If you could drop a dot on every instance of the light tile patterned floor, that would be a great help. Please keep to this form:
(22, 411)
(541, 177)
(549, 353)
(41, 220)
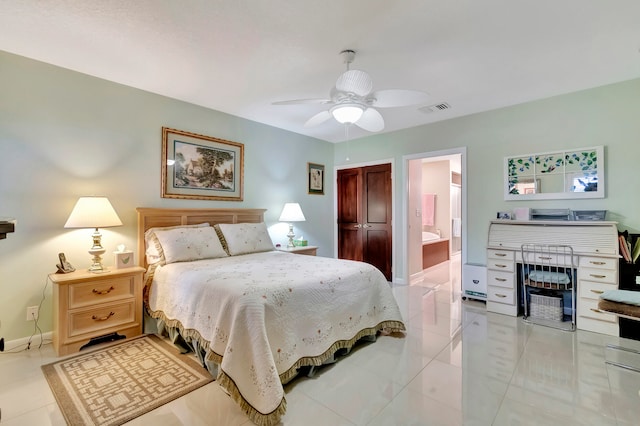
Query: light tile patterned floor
(457, 365)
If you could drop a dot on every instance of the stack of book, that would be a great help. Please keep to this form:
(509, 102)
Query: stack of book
(630, 254)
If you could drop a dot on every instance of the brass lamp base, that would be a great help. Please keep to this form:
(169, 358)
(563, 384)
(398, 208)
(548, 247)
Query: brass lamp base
(97, 251)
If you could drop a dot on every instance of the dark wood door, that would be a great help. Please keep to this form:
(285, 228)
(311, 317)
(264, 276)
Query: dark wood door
(364, 216)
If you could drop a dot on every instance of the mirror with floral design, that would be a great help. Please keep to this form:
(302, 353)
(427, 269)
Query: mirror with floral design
(573, 173)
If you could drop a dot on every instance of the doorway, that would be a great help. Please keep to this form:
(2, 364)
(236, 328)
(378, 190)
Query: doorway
(434, 203)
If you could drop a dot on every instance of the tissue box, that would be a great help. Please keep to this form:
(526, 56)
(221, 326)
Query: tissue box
(124, 259)
(300, 243)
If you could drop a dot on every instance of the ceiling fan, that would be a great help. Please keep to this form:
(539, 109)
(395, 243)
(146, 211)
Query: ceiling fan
(352, 100)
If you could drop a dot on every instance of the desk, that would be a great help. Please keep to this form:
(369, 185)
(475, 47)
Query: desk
(595, 247)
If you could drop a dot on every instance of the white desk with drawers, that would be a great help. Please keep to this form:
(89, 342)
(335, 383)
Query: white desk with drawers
(596, 257)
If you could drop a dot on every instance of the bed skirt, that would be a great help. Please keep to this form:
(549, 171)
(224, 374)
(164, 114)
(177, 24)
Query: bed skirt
(191, 341)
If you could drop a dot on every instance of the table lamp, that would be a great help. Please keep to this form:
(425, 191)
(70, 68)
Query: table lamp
(291, 213)
(94, 212)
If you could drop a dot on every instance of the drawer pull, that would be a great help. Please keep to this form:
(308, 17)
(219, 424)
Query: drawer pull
(501, 295)
(103, 291)
(501, 254)
(545, 257)
(597, 291)
(598, 276)
(501, 266)
(597, 263)
(501, 279)
(95, 318)
(598, 311)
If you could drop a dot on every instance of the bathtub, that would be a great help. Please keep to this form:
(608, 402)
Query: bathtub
(429, 236)
(435, 249)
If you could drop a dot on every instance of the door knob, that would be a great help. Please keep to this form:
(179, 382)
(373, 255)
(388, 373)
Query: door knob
(357, 226)
(366, 225)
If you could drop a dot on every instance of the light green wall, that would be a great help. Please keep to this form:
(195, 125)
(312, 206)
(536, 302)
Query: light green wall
(65, 134)
(602, 116)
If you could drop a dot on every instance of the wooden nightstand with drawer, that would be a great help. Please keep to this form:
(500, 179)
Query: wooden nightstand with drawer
(88, 306)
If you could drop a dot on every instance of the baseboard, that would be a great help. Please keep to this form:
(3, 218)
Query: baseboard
(417, 277)
(22, 343)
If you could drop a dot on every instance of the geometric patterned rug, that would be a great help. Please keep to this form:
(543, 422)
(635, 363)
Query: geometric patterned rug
(113, 385)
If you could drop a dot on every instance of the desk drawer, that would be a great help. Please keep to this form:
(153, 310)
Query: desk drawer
(598, 262)
(101, 291)
(101, 317)
(588, 308)
(598, 275)
(593, 290)
(500, 265)
(501, 279)
(501, 295)
(500, 254)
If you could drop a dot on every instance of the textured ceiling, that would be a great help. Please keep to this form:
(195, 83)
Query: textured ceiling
(241, 56)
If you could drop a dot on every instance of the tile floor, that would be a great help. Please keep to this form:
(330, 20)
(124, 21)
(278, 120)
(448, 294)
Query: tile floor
(457, 365)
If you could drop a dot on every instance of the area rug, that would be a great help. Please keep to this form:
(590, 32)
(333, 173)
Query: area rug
(113, 385)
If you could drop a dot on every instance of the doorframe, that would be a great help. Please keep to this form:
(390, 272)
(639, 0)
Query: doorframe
(393, 206)
(404, 279)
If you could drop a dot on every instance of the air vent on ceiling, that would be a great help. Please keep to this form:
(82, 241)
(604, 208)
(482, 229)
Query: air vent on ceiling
(435, 108)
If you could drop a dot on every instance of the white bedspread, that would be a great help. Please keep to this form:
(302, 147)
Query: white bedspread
(266, 314)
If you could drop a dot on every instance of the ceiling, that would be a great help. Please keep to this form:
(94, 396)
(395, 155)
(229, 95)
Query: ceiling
(241, 56)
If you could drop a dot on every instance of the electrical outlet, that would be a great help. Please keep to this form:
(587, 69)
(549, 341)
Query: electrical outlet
(32, 313)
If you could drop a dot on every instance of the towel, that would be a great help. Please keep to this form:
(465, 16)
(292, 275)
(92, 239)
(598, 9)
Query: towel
(457, 227)
(428, 209)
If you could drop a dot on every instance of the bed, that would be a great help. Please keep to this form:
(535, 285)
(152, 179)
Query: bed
(256, 316)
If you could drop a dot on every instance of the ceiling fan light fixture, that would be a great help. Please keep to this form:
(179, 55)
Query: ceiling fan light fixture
(347, 113)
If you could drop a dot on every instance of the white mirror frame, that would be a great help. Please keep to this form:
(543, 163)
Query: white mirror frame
(596, 168)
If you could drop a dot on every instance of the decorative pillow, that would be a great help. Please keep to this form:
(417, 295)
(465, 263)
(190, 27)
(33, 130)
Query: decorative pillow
(187, 244)
(154, 248)
(244, 238)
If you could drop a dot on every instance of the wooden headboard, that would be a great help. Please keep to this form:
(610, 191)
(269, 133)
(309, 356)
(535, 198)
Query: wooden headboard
(150, 217)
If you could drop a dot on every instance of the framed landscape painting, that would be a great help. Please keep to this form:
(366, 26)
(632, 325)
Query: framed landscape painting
(201, 167)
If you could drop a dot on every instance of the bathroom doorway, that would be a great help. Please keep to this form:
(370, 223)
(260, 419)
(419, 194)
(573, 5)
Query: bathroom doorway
(435, 217)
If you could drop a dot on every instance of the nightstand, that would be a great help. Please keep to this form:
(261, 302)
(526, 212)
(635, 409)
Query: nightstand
(90, 307)
(308, 250)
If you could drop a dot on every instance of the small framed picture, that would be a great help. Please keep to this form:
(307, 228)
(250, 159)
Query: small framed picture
(503, 215)
(316, 178)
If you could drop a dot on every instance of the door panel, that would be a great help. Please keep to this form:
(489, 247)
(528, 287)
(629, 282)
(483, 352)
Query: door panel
(376, 184)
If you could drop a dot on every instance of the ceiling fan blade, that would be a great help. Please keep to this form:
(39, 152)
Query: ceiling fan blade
(303, 101)
(371, 121)
(355, 81)
(398, 98)
(319, 118)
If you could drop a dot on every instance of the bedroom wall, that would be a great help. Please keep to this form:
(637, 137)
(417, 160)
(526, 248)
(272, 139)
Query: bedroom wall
(606, 116)
(65, 134)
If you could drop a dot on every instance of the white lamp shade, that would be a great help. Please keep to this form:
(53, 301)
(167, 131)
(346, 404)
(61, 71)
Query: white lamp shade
(93, 212)
(347, 113)
(292, 213)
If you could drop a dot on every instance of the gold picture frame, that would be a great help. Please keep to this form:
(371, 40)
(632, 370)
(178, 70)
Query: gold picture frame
(315, 178)
(201, 167)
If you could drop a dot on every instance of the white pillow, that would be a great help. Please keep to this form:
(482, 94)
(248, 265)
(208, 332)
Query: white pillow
(187, 244)
(244, 238)
(153, 249)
